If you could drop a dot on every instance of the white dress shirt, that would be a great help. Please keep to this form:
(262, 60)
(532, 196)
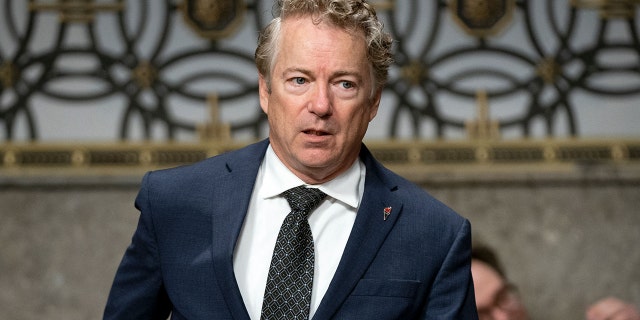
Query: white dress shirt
(330, 222)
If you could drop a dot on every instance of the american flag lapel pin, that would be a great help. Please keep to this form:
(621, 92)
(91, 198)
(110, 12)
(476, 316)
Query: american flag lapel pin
(387, 212)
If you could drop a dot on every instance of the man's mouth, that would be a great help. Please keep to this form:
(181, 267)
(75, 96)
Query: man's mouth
(315, 132)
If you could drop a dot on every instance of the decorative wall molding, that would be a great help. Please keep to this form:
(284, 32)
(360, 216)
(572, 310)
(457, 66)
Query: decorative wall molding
(417, 160)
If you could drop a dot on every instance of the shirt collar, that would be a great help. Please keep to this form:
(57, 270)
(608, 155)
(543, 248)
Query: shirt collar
(278, 178)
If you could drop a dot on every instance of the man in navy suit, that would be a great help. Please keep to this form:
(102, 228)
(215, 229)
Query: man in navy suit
(384, 248)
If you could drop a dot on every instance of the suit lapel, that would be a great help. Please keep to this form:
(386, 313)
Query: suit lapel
(367, 236)
(368, 233)
(231, 203)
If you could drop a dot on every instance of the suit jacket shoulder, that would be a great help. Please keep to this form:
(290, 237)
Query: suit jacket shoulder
(407, 257)
(180, 254)
(244, 160)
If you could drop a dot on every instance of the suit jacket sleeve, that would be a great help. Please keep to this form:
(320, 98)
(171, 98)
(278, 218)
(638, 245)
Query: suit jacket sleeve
(449, 299)
(138, 290)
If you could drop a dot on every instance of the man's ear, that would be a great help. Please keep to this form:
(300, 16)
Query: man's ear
(375, 103)
(264, 91)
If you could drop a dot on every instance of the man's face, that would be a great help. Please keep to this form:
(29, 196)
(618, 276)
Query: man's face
(321, 102)
(495, 299)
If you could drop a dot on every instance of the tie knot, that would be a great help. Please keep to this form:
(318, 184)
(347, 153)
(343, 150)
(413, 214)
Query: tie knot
(303, 199)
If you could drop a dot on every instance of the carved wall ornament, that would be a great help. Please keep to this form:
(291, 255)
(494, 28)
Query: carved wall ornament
(213, 19)
(482, 18)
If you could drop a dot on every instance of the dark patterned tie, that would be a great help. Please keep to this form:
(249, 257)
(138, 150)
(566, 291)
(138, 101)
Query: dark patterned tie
(288, 291)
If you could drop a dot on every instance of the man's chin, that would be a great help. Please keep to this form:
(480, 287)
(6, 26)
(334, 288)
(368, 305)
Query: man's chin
(315, 162)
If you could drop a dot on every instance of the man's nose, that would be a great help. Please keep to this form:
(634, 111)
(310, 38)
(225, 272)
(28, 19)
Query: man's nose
(320, 103)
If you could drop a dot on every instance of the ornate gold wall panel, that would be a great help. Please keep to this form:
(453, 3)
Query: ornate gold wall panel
(151, 63)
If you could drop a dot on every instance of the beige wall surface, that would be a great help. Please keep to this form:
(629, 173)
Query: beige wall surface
(564, 244)
(60, 249)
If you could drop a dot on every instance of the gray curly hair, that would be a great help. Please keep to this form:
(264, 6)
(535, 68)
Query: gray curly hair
(346, 14)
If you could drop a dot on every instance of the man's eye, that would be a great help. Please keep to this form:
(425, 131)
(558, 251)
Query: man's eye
(347, 84)
(299, 80)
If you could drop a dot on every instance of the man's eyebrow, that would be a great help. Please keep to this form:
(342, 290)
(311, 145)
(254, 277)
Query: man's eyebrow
(301, 70)
(341, 73)
(336, 74)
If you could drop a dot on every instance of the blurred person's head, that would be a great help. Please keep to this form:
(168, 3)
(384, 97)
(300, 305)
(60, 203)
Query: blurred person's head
(496, 297)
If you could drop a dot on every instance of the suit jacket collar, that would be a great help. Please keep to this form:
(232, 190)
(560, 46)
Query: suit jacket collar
(367, 235)
(231, 209)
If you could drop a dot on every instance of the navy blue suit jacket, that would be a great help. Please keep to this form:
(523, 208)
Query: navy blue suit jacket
(413, 265)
